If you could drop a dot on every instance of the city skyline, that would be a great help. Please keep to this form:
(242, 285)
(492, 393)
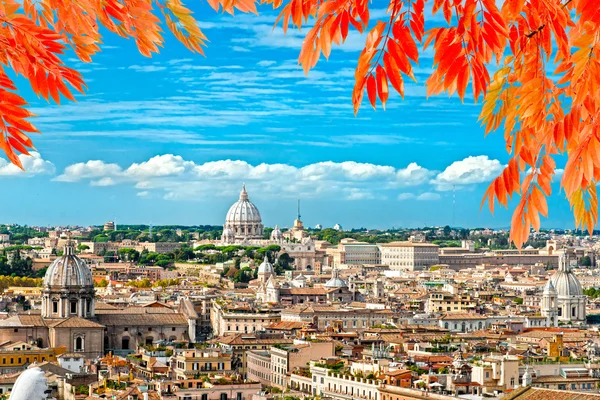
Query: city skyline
(171, 139)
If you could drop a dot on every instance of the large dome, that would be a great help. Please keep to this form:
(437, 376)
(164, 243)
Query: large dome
(243, 220)
(68, 271)
(565, 282)
(243, 210)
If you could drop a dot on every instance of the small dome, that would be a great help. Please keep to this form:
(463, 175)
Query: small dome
(228, 234)
(243, 210)
(336, 281)
(276, 234)
(68, 271)
(266, 267)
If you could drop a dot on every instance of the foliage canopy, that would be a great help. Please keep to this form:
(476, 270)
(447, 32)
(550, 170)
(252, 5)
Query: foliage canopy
(543, 94)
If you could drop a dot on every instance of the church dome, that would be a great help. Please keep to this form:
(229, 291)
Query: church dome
(565, 282)
(276, 234)
(228, 235)
(243, 211)
(266, 267)
(68, 271)
(336, 281)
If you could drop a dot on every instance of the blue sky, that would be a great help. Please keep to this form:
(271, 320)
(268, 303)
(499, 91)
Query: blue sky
(171, 139)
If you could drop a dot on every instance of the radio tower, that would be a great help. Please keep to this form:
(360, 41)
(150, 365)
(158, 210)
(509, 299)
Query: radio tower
(453, 205)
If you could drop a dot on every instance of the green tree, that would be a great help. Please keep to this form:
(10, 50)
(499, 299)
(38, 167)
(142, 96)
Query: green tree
(585, 261)
(103, 283)
(83, 247)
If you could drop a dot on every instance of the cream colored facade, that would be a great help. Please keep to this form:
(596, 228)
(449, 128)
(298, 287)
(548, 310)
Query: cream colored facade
(229, 321)
(352, 252)
(446, 302)
(191, 363)
(325, 383)
(284, 359)
(498, 372)
(409, 256)
(328, 315)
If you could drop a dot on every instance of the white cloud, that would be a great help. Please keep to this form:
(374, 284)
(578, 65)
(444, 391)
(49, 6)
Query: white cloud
(358, 194)
(164, 165)
(147, 68)
(428, 196)
(33, 164)
(103, 182)
(406, 196)
(265, 63)
(240, 49)
(413, 174)
(175, 178)
(89, 170)
(348, 169)
(471, 170)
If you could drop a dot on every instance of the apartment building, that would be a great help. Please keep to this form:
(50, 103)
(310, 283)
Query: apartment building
(328, 316)
(192, 363)
(447, 302)
(325, 382)
(232, 318)
(272, 368)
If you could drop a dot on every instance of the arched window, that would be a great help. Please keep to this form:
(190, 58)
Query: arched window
(125, 343)
(149, 340)
(79, 343)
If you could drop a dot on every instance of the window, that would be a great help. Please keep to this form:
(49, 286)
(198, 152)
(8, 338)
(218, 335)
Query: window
(150, 329)
(204, 396)
(238, 396)
(55, 306)
(79, 343)
(512, 381)
(223, 396)
(126, 329)
(73, 307)
(16, 330)
(173, 329)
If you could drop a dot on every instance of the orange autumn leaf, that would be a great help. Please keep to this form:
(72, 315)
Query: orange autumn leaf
(544, 96)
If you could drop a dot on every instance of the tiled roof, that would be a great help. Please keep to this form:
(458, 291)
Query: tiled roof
(149, 319)
(135, 310)
(74, 322)
(545, 394)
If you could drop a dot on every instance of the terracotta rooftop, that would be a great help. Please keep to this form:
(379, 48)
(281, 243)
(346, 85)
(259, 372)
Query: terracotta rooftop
(530, 393)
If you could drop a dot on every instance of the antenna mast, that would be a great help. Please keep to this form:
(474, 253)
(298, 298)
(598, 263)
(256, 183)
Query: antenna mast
(453, 205)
